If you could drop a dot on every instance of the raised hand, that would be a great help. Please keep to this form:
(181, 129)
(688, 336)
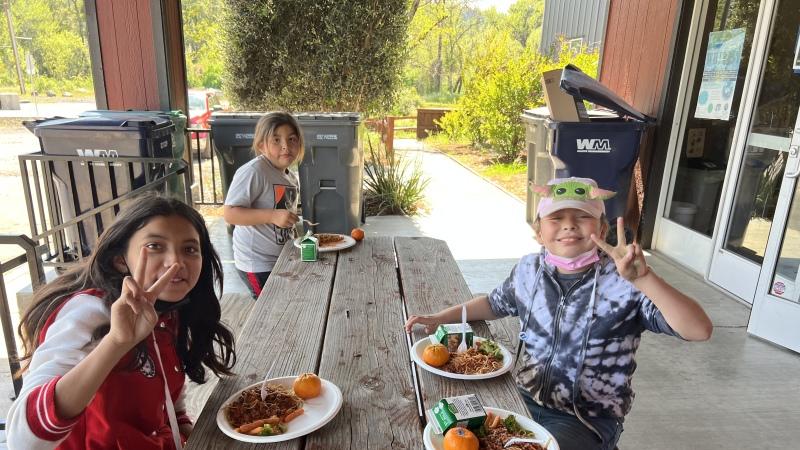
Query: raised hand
(628, 258)
(133, 315)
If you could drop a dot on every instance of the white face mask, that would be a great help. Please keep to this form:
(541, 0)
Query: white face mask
(574, 263)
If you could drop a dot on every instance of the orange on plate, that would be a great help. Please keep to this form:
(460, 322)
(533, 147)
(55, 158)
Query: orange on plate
(307, 386)
(357, 234)
(460, 438)
(436, 355)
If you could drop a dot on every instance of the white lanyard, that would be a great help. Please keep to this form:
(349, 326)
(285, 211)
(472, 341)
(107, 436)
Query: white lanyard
(173, 418)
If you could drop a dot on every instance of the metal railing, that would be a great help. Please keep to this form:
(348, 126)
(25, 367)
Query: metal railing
(70, 201)
(207, 182)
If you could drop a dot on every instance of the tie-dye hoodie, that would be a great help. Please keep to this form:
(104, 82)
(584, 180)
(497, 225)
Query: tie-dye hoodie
(577, 332)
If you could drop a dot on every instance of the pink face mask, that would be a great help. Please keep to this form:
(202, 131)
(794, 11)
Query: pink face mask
(574, 263)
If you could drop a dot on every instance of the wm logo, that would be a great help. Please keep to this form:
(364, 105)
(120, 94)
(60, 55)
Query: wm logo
(594, 145)
(96, 153)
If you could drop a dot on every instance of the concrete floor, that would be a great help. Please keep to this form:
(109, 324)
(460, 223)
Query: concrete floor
(734, 391)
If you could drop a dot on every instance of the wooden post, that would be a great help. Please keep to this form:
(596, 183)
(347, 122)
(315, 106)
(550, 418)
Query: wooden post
(389, 143)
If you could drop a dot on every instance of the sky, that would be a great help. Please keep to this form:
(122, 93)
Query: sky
(499, 5)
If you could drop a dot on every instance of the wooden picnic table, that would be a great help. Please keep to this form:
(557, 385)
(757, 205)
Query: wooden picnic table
(342, 317)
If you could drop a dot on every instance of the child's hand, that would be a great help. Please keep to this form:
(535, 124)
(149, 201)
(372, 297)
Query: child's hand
(133, 315)
(430, 322)
(628, 258)
(284, 219)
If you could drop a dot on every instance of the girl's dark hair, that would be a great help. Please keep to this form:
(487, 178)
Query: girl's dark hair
(199, 319)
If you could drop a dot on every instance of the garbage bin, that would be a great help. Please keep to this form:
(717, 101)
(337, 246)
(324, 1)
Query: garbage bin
(233, 139)
(175, 185)
(605, 148)
(330, 173)
(81, 186)
(700, 184)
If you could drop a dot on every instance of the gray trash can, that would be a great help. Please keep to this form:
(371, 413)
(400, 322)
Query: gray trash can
(175, 186)
(605, 148)
(330, 174)
(82, 186)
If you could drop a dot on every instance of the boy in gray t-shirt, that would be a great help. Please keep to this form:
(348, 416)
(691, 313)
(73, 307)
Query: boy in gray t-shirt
(262, 197)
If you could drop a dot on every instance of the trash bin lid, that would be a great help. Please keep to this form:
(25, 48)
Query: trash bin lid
(584, 87)
(319, 116)
(249, 116)
(132, 112)
(133, 123)
(544, 113)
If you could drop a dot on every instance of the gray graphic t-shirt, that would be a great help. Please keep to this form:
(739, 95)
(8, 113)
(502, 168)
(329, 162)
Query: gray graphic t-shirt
(579, 353)
(258, 184)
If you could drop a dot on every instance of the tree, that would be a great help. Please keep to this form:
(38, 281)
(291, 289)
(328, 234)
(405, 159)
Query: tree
(58, 42)
(323, 55)
(202, 38)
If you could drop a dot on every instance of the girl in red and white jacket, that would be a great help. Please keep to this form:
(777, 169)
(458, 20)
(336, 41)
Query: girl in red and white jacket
(108, 345)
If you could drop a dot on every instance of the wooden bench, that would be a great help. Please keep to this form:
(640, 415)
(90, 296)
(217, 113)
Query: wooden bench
(342, 317)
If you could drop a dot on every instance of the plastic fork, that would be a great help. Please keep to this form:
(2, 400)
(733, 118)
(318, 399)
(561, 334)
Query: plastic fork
(310, 223)
(264, 383)
(462, 347)
(512, 441)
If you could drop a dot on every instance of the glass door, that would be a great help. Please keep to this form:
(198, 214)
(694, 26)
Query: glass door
(715, 103)
(750, 217)
(776, 308)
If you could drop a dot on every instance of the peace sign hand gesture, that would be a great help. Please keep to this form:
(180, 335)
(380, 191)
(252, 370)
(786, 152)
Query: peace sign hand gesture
(629, 258)
(133, 314)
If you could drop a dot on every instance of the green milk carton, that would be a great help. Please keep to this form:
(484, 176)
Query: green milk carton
(462, 411)
(450, 336)
(309, 247)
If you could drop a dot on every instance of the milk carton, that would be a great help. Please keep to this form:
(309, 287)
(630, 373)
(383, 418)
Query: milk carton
(462, 411)
(309, 247)
(450, 336)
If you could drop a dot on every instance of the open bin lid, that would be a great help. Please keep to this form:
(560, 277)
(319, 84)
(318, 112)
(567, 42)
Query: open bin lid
(583, 87)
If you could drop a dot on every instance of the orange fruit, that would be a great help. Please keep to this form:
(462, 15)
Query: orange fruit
(357, 234)
(436, 355)
(307, 386)
(460, 438)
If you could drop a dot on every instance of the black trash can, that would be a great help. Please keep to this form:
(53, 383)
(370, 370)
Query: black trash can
(233, 139)
(175, 186)
(330, 174)
(605, 148)
(82, 186)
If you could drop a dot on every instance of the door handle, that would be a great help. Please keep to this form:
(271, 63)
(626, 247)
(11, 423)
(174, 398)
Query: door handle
(793, 162)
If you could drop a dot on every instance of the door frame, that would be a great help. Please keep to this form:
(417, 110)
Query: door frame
(732, 272)
(667, 232)
(771, 316)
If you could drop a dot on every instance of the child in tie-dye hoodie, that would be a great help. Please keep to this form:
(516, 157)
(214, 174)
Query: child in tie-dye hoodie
(583, 306)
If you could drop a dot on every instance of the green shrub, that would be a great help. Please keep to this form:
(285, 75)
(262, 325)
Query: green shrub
(323, 55)
(503, 84)
(392, 185)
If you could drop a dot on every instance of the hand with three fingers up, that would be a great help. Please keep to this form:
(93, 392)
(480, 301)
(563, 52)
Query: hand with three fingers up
(629, 258)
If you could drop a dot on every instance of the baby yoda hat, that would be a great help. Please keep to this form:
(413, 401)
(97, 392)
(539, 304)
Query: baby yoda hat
(577, 193)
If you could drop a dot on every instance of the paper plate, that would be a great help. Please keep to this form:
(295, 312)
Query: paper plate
(341, 245)
(419, 347)
(316, 413)
(433, 441)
